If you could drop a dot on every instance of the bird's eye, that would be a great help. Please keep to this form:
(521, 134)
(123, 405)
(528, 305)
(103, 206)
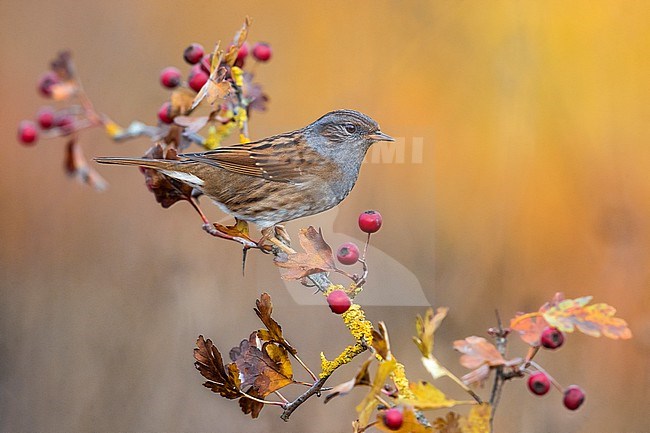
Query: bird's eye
(350, 128)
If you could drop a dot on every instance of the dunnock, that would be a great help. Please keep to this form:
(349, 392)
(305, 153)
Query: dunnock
(279, 178)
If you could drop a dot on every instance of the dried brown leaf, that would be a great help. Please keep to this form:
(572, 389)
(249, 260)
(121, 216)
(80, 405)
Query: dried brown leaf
(266, 369)
(317, 256)
(238, 41)
(249, 406)
(221, 379)
(273, 331)
(166, 190)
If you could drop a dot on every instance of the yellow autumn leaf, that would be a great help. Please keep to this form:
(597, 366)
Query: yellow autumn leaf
(427, 397)
(426, 327)
(369, 403)
(478, 419)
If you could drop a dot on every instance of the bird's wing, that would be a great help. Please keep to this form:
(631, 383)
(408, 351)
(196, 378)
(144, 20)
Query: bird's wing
(280, 158)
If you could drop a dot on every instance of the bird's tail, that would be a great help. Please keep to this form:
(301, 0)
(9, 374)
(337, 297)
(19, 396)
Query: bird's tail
(160, 164)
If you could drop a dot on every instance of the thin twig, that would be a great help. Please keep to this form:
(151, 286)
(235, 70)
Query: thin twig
(307, 369)
(259, 400)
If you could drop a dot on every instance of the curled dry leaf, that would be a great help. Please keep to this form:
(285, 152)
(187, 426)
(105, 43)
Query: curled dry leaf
(221, 379)
(381, 342)
(317, 257)
(273, 331)
(426, 327)
(238, 41)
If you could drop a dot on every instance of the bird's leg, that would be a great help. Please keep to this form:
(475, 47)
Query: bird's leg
(268, 234)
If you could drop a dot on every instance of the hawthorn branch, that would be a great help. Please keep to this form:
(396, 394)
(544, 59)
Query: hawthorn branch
(314, 389)
(501, 341)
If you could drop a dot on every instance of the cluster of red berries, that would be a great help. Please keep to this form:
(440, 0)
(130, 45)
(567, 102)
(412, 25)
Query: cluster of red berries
(539, 382)
(195, 55)
(349, 254)
(47, 119)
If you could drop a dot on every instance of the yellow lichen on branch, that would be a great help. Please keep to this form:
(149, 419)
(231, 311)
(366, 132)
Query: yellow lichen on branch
(360, 328)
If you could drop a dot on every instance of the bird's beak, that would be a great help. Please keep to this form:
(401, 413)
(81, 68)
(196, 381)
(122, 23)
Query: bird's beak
(380, 136)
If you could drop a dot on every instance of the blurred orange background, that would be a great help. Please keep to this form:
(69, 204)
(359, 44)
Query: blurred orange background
(534, 124)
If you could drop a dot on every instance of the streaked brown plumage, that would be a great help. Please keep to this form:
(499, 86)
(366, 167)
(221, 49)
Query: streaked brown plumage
(279, 178)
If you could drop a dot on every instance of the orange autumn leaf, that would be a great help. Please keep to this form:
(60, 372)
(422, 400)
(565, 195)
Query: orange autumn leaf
(595, 320)
(529, 327)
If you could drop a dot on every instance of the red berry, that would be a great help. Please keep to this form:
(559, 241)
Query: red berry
(574, 396)
(170, 77)
(165, 113)
(193, 53)
(552, 338)
(46, 82)
(393, 418)
(45, 117)
(338, 301)
(348, 253)
(370, 221)
(262, 51)
(538, 383)
(27, 132)
(197, 78)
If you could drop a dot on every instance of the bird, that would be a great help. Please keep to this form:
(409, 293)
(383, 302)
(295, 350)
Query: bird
(281, 178)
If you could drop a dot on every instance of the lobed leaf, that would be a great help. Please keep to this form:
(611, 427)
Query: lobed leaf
(273, 331)
(316, 258)
(595, 320)
(223, 380)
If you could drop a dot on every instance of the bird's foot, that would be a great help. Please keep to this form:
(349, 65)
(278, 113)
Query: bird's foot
(270, 233)
(237, 232)
(282, 235)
